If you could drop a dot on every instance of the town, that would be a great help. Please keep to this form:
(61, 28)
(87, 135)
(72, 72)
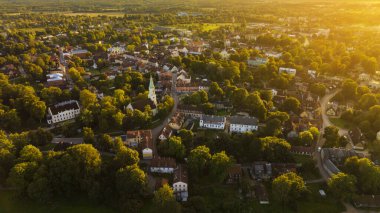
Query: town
(190, 110)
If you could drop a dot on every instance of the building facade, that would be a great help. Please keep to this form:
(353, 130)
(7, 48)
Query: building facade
(63, 111)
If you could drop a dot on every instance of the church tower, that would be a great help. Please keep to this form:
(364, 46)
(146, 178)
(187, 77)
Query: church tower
(152, 91)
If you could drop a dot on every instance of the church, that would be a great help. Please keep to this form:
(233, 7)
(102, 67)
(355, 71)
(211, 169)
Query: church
(151, 101)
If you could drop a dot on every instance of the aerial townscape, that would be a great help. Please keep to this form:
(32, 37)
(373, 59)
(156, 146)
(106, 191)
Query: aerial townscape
(209, 106)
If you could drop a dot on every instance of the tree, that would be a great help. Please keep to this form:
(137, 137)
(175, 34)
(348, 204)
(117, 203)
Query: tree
(88, 136)
(219, 165)
(273, 127)
(87, 98)
(198, 159)
(367, 101)
(291, 104)
(306, 138)
(30, 153)
(288, 187)
(37, 110)
(130, 181)
(105, 142)
(163, 195)
(332, 136)
(239, 97)
(40, 137)
(187, 137)
(215, 91)
(173, 147)
(40, 190)
(126, 157)
(21, 175)
(314, 131)
(318, 89)
(275, 149)
(51, 95)
(342, 186)
(349, 89)
(82, 164)
(256, 106)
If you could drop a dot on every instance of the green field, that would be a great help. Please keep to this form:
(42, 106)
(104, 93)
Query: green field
(8, 203)
(313, 203)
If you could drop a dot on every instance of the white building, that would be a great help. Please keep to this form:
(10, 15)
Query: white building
(162, 165)
(374, 84)
(239, 124)
(63, 111)
(289, 71)
(224, 54)
(180, 181)
(212, 122)
(364, 77)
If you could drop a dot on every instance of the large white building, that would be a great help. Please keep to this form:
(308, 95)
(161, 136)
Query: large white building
(212, 122)
(63, 111)
(239, 124)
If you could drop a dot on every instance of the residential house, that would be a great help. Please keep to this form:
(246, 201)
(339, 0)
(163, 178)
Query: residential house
(224, 54)
(183, 78)
(240, 124)
(332, 158)
(212, 122)
(257, 62)
(312, 73)
(166, 133)
(176, 121)
(289, 71)
(191, 111)
(302, 150)
(140, 139)
(180, 182)
(63, 111)
(234, 174)
(357, 138)
(162, 165)
(261, 170)
(364, 77)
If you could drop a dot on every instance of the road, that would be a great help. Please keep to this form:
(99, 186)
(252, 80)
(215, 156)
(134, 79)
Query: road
(157, 130)
(325, 123)
(317, 155)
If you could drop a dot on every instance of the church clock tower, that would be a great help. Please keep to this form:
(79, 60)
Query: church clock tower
(152, 91)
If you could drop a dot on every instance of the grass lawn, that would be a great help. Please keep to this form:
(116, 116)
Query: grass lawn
(340, 123)
(8, 203)
(313, 203)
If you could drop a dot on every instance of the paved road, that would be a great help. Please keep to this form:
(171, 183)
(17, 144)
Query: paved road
(326, 122)
(157, 130)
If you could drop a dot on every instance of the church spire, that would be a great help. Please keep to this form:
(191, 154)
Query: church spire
(152, 91)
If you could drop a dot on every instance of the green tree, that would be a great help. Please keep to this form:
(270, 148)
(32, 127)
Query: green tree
(88, 136)
(219, 164)
(87, 98)
(288, 187)
(130, 181)
(30, 153)
(342, 186)
(306, 138)
(332, 136)
(198, 159)
(173, 147)
(291, 104)
(126, 157)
